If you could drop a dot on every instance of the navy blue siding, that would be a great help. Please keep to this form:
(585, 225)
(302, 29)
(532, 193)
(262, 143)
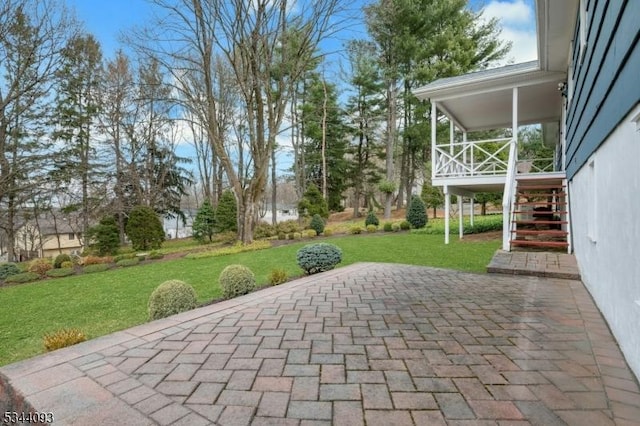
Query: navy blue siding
(607, 81)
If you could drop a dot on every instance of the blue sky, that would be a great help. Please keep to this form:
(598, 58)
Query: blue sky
(105, 19)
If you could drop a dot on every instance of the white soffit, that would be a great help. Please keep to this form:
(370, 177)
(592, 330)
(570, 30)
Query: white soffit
(485, 102)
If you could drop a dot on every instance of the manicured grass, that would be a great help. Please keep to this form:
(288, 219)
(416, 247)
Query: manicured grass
(105, 302)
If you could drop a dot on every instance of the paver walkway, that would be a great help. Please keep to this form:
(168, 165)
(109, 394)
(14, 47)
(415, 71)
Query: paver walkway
(373, 344)
(536, 263)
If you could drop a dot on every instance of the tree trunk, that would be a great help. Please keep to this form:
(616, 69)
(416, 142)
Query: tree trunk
(274, 190)
(391, 135)
(325, 190)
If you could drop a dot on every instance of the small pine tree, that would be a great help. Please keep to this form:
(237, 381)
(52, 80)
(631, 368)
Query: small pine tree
(313, 203)
(144, 229)
(104, 237)
(317, 224)
(432, 197)
(371, 219)
(204, 223)
(227, 213)
(417, 213)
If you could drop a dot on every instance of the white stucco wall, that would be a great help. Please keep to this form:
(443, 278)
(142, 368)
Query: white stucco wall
(605, 210)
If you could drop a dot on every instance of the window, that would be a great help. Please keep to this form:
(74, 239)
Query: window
(72, 236)
(584, 27)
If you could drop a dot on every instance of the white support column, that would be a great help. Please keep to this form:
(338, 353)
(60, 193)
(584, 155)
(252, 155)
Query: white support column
(460, 216)
(514, 118)
(451, 135)
(473, 209)
(434, 122)
(447, 209)
(464, 153)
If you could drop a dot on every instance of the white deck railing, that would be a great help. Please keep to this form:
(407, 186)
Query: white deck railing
(472, 158)
(508, 197)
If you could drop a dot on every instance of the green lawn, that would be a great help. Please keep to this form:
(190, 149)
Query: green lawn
(105, 302)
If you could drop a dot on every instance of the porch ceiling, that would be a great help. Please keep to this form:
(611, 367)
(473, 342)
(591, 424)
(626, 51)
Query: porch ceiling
(482, 100)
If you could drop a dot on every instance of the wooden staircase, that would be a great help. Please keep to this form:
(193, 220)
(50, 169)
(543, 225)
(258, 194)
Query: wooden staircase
(540, 216)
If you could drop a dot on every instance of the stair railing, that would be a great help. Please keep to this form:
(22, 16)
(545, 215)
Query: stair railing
(508, 198)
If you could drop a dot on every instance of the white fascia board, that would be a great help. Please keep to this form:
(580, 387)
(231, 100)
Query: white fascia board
(478, 87)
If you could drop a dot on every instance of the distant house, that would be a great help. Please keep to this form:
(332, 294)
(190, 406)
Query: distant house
(584, 91)
(46, 237)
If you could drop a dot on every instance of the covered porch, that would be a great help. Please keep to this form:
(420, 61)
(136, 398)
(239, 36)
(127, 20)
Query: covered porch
(497, 99)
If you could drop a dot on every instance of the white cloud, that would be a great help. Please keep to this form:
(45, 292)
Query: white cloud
(510, 13)
(517, 19)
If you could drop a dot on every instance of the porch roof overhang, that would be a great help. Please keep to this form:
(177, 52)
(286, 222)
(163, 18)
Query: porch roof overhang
(483, 100)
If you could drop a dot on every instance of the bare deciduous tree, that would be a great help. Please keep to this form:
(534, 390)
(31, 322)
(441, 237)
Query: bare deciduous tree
(267, 44)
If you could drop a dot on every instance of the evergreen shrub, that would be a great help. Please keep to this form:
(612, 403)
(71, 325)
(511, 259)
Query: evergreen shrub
(99, 267)
(371, 228)
(60, 272)
(236, 280)
(8, 269)
(387, 227)
(317, 224)
(320, 257)
(170, 298)
(405, 225)
(63, 257)
(227, 213)
(144, 229)
(371, 219)
(23, 277)
(417, 213)
(128, 262)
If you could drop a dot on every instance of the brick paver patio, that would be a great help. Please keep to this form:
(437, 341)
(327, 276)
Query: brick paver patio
(373, 344)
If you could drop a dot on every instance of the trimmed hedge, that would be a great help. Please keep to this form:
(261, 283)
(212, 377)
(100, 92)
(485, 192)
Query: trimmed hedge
(24, 277)
(100, 267)
(60, 272)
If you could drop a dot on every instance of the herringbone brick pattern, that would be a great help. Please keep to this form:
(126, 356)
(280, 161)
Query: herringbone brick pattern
(371, 344)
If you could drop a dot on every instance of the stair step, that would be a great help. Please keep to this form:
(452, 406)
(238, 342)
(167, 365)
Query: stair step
(548, 186)
(543, 194)
(541, 212)
(540, 222)
(549, 232)
(539, 243)
(535, 203)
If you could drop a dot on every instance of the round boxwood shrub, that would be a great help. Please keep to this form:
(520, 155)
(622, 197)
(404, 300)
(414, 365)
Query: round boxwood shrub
(317, 224)
(355, 230)
(387, 227)
(405, 225)
(371, 219)
(63, 257)
(328, 232)
(8, 269)
(170, 298)
(236, 280)
(372, 228)
(314, 258)
(395, 227)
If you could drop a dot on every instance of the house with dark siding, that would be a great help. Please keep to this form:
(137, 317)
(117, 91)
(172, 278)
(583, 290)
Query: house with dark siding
(584, 93)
